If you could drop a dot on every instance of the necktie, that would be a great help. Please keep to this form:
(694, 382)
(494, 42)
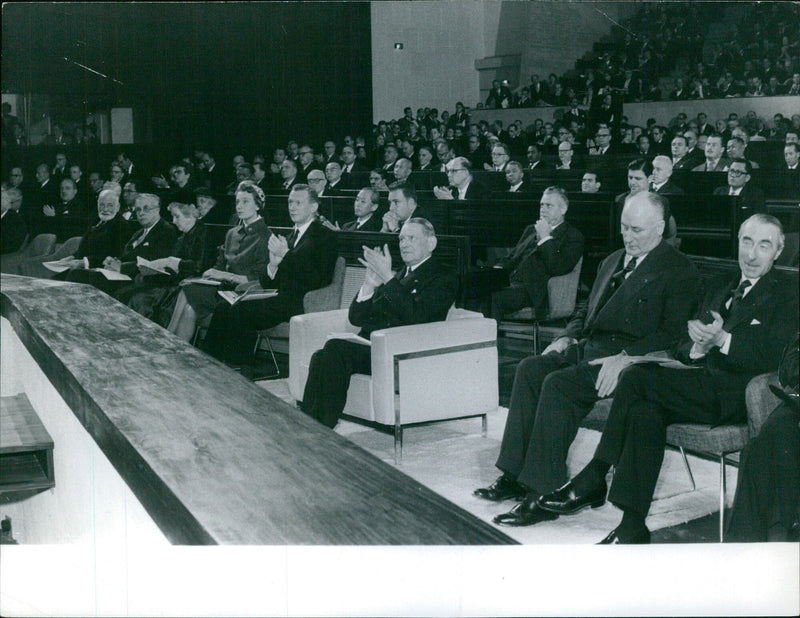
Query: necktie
(139, 238)
(293, 238)
(735, 297)
(618, 277)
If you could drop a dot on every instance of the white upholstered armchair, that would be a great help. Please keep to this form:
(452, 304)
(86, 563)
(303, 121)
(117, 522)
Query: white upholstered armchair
(420, 373)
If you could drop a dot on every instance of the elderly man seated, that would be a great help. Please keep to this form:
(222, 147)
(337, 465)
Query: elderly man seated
(422, 291)
(548, 248)
(739, 332)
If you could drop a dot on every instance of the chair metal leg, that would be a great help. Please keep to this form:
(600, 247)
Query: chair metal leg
(721, 496)
(398, 444)
(484, 425)
(688, 468)
(536, 345)
(277, 371)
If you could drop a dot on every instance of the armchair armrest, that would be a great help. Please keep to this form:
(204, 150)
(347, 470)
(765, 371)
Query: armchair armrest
(443, 370)
(308, 332)
(761, 401)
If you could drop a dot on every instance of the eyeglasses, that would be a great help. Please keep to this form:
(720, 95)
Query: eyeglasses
(138, 209)
(302, 152)
(460, 169)
(736, 173)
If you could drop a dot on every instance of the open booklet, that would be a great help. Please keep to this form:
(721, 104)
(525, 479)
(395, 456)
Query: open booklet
(164, 266)
(111, 275)
(251, 294)
(660, 358)
(350, 337)
(57, 266)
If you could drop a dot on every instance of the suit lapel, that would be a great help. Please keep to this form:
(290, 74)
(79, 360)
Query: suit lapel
(601, 286)
(641, 276)
(761, 292)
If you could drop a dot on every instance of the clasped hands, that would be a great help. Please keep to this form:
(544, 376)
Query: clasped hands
(543, 229)
(707, 336)
(112, 263)
(442, 193)
(378, 263)
(278, 248)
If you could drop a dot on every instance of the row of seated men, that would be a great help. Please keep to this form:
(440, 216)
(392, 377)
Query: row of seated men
(642, 301)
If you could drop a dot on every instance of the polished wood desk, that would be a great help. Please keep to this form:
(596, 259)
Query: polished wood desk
(213, 458)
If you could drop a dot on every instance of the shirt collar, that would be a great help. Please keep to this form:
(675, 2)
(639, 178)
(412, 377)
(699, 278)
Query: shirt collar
(413, 268)
(301, 229)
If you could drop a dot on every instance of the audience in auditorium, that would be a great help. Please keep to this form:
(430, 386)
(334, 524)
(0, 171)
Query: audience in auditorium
(640, 301)
(420, 292)
(751, 318)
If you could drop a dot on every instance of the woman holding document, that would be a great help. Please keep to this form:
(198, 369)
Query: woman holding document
(243, 258)
(155, 288)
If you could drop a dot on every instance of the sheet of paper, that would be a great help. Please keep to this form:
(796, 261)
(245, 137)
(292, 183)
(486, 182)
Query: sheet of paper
(56, 266)
(112, 275)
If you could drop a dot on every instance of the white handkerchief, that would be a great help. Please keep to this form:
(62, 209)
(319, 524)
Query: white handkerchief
(754, 322)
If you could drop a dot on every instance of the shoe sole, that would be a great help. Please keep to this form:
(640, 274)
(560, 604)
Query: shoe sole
(515, 498)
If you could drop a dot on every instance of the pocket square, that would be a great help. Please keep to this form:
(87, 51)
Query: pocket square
(754, 322)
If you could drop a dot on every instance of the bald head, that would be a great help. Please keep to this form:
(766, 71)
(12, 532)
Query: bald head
(662, 169)
(642, 223)
(402, 169)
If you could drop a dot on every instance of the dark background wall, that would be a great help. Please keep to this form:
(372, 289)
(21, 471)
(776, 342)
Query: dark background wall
(245, 76)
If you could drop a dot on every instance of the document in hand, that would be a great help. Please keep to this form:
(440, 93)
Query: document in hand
(201, 281)
(251, 294)
(112, 275)
(664, 361)
(153, 267)
(350, 337)
(56, 266)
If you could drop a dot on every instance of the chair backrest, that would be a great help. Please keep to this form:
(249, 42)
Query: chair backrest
(791, 250)
(68, 247)
(562, 292)
(329, 297)
(353, 278)
(41, 245)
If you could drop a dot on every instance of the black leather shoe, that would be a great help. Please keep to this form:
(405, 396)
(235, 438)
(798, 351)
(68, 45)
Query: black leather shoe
(567, 500)
(504, 488)
(639, 538)
(526, 513)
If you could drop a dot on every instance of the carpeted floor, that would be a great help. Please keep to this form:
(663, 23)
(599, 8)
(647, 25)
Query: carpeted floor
(453, 459)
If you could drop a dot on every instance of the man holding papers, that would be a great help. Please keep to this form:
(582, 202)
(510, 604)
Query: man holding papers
(420, 292)
(741, 328)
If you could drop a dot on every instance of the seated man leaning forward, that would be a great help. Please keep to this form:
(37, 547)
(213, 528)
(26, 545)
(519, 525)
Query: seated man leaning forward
(742, 325)
(639, 303)
(548, 248)
(420, 292)
(298, 264)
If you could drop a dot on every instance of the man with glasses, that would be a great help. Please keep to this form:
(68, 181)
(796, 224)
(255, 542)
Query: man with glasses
(318, 182)
(749, 199)
(153, 241)
(602, 143)
(305, 162)
(462, 185)
(500, 158)
(565, 156)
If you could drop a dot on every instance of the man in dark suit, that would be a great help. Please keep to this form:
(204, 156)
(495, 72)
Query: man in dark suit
(298, 264)
(420, 292)
(364, 208)
(464, 187)
(66, 217)
(333, 174)
(536, 164)
(350, 164)
(12, 225)
(106, 238)
(402, 207)
(288, 175)
(602, 141)
(662, 172)
(515, 178)
(749, 199)
(45, 192)
(548, 248)
(714, 151)
(742, 326)
(679, 147)
(639, 303)
(153, 241)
